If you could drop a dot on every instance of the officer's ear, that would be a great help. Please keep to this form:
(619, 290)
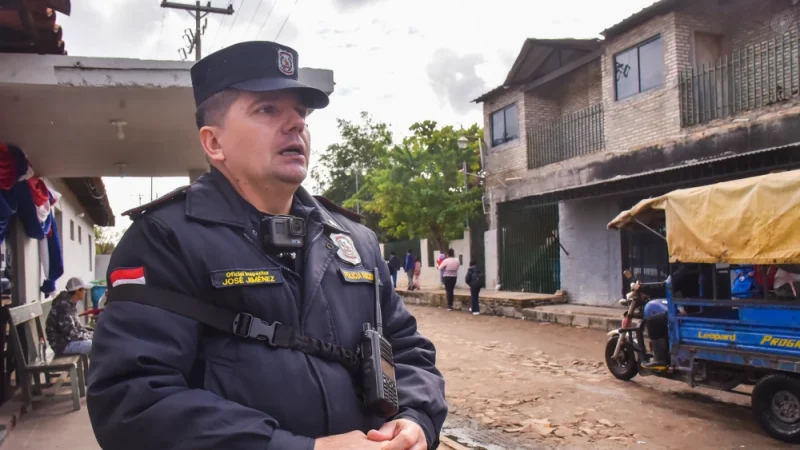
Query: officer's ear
(211, 145)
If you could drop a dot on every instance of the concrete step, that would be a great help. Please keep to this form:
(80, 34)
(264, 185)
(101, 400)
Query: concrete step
(496, 303)
(605, 319)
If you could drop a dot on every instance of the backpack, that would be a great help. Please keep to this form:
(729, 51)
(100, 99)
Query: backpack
(744, 285)
(475, 278)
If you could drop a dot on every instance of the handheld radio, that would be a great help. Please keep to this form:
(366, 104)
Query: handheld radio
(377, 367)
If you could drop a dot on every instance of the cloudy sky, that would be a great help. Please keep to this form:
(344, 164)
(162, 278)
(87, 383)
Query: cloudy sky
(401, 60)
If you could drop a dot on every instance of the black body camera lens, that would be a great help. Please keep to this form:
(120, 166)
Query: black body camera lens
(297, 226)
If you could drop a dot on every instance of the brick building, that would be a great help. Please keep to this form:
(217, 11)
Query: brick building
(680, 94)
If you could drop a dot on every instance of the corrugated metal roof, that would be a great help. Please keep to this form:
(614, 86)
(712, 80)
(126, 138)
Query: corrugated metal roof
(685, 164)
(656, 9)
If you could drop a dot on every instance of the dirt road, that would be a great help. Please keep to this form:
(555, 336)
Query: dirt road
(517, 384)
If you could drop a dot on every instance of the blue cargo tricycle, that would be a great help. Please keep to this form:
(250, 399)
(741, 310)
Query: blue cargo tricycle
(749, 228)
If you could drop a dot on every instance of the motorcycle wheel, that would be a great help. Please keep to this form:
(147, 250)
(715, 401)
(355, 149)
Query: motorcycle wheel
(625, 369)
(776, 406)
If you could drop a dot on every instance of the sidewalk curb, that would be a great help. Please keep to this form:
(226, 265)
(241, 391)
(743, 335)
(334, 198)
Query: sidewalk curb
(575, 320)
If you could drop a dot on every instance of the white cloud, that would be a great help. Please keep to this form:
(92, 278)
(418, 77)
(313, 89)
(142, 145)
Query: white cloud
(390, 57)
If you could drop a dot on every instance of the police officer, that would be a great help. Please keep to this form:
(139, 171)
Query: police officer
(166, 375)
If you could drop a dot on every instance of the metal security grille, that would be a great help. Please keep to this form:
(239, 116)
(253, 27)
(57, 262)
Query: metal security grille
(748, 78)
(569, 136)
(528, 248)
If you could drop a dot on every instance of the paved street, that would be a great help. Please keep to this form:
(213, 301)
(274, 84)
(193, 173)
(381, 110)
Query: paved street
(515, 384)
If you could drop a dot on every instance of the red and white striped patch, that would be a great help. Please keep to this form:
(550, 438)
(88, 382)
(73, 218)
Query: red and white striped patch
(133, 275)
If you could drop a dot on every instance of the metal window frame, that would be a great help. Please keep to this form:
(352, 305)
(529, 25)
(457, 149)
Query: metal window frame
(638, 62)
(503, 110)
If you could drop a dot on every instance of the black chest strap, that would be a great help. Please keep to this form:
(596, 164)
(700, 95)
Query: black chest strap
(242, 325)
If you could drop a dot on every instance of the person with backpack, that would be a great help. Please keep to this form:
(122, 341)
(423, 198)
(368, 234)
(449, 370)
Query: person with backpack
(475, 281)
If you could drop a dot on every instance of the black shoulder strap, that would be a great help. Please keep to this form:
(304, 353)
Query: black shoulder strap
(329, 205)
(137, 212)
(242, 325)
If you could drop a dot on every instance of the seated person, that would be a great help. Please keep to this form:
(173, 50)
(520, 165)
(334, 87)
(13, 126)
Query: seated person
(64, 331)
(786, 283)
(655, 313)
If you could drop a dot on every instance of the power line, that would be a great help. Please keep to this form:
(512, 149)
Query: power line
(230, 27)
(266, 20)
(195, 37)
(254, 17)
(161, 32)
(236, 16)
(287, 19)
(222, 23)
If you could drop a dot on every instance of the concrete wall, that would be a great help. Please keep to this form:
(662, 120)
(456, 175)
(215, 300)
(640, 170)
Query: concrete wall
(592, 273)
(429, 274)
(101, 266)
(491, 259)
(78, 248)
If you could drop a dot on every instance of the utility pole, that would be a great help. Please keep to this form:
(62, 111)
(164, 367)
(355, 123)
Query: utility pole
(194, 38)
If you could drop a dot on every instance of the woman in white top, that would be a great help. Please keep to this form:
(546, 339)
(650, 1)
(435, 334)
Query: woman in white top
(449, 269)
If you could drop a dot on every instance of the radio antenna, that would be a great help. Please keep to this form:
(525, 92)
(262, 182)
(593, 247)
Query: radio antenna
(378, 324)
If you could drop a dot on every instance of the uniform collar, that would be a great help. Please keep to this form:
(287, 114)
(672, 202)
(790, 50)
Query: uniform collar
(213, 199)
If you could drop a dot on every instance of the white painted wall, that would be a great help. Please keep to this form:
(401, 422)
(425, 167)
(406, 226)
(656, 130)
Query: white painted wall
(101, 266)
(592, 272)
(77, 247)
(429, 275)
(491, 259)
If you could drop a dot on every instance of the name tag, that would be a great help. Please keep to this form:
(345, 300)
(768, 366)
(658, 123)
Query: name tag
(357, 276)
(234, 278)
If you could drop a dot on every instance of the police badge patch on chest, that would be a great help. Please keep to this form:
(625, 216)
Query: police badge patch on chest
(347, 250)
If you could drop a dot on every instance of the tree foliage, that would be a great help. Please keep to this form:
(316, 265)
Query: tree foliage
(418, 187)
(360, 151)
(105, 240)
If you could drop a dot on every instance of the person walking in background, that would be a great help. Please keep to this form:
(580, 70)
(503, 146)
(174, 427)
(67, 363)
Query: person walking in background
(394, 267)
(449, 269)
(475, 281)
(417, 272)
(409, 268)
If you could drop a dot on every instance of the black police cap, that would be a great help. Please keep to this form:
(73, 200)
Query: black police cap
(257, 66)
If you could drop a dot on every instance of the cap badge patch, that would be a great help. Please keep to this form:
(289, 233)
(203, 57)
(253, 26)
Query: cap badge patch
(285, 62)
(347, 250)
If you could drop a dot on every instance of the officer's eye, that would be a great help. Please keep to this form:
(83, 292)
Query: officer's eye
(269, 109)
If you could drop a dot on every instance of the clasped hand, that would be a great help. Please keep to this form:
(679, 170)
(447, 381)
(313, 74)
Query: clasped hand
(400, 434)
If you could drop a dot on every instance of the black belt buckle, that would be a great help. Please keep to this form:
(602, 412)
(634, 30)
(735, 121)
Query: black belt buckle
(247, 326)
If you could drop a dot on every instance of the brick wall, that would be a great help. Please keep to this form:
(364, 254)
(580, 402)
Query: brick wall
(742, 25)
(648, 118)
(592, 272)
(510, 159)
(579, 89)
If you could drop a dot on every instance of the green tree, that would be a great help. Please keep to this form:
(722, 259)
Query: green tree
(419, 186)
(105, 240)
(339, 165)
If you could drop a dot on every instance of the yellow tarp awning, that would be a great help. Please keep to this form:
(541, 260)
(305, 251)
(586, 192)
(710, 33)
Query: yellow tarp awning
(752, 220)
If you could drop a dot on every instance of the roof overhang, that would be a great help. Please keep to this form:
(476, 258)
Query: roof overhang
(656, 9)
(544, 58)
(91, 193)
(65, 114)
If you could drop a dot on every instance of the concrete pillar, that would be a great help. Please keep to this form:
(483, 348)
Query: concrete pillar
(194, 174)
(592, 272)
(491, 259)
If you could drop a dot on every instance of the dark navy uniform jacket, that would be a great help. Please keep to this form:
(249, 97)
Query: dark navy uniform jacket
(159, 380)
